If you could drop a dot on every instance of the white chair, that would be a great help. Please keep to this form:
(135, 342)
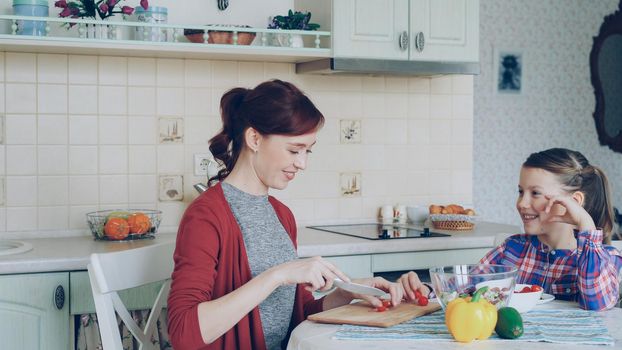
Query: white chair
(115, 271)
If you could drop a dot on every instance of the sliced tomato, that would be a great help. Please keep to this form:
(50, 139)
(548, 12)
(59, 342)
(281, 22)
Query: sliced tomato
(526, 289)
(381, 308)
(536, 288)
(386, 303)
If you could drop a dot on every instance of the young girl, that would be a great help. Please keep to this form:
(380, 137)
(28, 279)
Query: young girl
(564, 203)
(237, 283)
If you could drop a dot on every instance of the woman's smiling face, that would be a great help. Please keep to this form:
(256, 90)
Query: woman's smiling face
(280, 157)
(534, 184)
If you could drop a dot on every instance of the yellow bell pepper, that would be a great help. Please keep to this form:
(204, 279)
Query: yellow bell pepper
(469, 320)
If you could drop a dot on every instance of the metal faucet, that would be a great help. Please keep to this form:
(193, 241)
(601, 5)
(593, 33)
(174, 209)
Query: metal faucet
(200, 187)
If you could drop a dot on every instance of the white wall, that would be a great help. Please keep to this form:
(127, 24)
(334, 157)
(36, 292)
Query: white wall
(557, 106)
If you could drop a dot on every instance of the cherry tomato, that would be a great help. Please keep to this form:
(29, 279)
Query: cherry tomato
(536, 288)
(386, 303)
(381, 308)
(525, 289)
(422, 301)
(417, 294)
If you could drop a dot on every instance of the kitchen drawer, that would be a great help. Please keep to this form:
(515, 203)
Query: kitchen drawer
(81, 295)
(424, 260)
(355, 266)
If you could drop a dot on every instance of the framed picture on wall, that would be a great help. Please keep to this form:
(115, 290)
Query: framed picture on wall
(508, 71)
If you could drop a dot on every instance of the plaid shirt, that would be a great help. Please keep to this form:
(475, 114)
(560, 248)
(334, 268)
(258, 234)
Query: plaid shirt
(588, 274)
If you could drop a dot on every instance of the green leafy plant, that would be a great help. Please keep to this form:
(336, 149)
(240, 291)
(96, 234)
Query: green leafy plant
(294, 20)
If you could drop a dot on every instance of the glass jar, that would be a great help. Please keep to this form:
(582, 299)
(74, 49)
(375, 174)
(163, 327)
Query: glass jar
(154, 15)
(38, 8)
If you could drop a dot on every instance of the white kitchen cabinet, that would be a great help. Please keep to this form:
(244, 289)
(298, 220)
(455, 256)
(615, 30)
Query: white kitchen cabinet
(32, 312)
(449, 29)
(417, 30)
(355, 266)
(426, 259)
(370, 29)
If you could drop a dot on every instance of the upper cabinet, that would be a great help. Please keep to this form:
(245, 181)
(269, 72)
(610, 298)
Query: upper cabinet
(370, 29)
(418, 30)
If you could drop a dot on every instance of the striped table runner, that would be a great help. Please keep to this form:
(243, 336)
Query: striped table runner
(553, 326)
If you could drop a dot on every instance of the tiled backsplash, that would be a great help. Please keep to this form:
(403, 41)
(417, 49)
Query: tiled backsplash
(83, 133)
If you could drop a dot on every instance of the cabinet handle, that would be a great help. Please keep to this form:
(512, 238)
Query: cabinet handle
(419, 41)
(403, 41)
(59, 297)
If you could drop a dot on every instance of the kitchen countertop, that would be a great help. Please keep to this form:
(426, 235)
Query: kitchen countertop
(485, 234)
(72, 253)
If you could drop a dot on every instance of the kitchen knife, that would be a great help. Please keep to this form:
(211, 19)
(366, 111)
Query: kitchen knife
(358, 288)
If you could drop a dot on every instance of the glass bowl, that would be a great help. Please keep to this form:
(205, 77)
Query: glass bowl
(450, 282)
(129, 224)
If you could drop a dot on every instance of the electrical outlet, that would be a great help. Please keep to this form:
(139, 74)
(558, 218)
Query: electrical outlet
(202, 161)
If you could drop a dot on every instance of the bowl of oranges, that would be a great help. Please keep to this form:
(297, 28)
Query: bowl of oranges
(124, 225)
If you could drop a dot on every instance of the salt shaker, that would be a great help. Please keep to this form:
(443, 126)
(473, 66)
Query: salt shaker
(386, 214)
(400, 213)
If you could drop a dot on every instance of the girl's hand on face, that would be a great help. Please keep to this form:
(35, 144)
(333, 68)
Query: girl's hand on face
(317, 273)
(411, 283)
(395, 289)
(565, 209)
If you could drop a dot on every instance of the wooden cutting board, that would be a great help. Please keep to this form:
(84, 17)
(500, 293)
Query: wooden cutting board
(363, 314)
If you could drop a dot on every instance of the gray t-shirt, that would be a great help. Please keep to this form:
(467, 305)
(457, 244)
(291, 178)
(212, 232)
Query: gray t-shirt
(267, 245)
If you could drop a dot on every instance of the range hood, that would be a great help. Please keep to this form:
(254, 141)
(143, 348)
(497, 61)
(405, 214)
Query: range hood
(357, 66)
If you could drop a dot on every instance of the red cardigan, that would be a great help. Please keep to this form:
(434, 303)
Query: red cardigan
(210, 262)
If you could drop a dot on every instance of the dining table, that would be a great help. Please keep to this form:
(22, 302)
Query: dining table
(311, 335)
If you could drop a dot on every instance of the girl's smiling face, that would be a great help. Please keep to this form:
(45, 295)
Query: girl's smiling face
(534, 184)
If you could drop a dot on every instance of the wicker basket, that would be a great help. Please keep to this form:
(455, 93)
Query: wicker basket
(453, 222)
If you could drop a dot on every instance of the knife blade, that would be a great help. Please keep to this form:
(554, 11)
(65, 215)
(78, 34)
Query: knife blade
(358, 288)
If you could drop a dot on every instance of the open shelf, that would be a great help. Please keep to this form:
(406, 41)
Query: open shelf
(77, 41)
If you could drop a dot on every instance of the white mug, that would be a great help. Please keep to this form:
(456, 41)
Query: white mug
(400, 213)
(386, 214)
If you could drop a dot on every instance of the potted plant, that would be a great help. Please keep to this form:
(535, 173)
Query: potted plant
(95, 9)
(294, 20)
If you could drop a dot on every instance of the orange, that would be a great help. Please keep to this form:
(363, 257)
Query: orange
(139, 223)
(116, 228)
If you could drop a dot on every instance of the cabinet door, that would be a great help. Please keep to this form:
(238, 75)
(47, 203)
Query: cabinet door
(369, 29)
(29, 318)
(450, 30)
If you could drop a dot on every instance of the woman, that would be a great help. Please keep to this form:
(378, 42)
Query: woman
(564, 203)
(237, 283)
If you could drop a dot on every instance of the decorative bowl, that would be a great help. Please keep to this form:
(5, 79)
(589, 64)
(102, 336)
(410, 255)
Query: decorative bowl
(525, 301)
(451, 282)
(220, 36)
(417, 214)
(124, 224)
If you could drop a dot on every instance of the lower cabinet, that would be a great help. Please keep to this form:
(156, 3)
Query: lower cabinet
(34, 311)
(423, 260)
(366, 265)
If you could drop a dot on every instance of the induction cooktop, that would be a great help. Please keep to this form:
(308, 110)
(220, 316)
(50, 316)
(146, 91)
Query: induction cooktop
(379, 231)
